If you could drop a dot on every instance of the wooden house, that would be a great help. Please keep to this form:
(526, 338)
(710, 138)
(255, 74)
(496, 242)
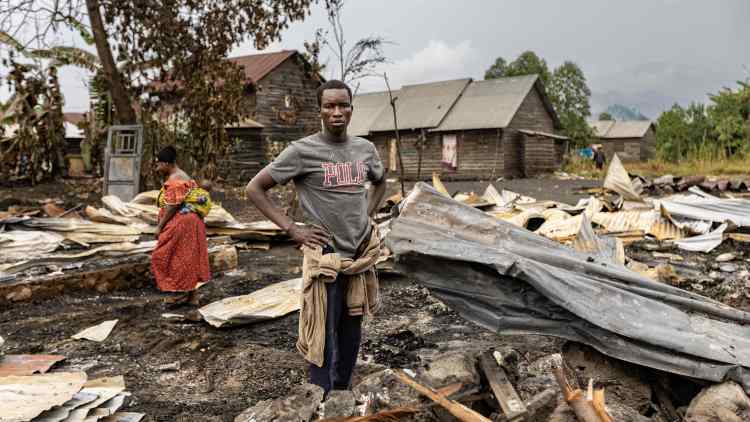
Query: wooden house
(465, 129)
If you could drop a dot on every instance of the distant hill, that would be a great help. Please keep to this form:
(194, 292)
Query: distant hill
(624, 113)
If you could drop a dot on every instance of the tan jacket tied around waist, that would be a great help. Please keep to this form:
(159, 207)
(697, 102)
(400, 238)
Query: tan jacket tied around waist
(361, 296)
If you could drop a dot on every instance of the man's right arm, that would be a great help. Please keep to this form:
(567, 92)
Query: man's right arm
(257, 193)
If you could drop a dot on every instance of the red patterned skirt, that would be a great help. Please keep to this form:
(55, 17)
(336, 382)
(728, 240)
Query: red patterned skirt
(180, 260)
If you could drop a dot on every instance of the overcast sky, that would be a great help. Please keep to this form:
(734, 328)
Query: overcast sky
(643, 53)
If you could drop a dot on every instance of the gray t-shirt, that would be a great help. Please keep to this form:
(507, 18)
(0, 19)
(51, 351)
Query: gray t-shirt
(330, 181)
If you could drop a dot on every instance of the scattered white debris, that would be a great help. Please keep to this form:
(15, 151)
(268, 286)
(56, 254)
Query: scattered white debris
(97, 333)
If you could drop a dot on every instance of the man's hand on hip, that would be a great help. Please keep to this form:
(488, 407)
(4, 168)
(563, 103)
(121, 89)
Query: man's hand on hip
(310, 236)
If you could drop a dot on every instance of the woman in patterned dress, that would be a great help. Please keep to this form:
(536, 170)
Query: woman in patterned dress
(180, 260)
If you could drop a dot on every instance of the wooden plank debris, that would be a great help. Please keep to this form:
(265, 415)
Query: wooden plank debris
(456, 409)
(511, 404)
(587, 407)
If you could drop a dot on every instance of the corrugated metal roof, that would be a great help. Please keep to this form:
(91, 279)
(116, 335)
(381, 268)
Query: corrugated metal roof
(259, 65)
(488, 104)
(611, 129)
(421, 106)
(367, 108)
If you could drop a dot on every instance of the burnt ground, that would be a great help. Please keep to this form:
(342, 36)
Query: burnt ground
(223, 371)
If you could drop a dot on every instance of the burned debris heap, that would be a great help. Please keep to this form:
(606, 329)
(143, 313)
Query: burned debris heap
(643, 281)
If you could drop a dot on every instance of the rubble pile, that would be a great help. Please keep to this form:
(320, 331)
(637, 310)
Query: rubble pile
(497, 385)
(47, 248)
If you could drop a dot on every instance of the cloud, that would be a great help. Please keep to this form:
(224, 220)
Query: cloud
(654, 86)
(437, 61)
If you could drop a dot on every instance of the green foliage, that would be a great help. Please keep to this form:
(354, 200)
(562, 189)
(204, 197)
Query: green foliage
(184, 43)
(605, 116)
(566, 87)
(570, 95)
(708, 132)
(64, 55)
(527, 63)
(499, 69)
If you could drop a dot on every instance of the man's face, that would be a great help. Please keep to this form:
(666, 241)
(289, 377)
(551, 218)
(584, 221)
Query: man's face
(335, 110)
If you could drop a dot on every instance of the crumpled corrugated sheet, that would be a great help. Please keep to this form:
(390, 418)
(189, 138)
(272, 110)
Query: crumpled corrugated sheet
(511, 281)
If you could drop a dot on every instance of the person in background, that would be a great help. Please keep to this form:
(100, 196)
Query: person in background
(180, 260)
(341, 245)
(599, 157)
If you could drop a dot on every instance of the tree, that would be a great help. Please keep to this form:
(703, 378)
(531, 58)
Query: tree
(499, 69)
(527, 63)
(570, 95)
(358, 61)
(672, 133)
(728, 115)
(605, 116)
(183, 43)
(34, 150)
(713, 131)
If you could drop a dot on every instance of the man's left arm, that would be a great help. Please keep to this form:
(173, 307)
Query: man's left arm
(375, 196)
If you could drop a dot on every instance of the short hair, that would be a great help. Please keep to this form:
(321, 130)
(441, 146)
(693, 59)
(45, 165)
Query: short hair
(167, 155)
(332, 84)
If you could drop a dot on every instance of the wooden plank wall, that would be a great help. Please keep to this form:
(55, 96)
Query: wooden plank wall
(248, 155)
(480, 154)
(531, 115)
(629, 150)
(540, 155)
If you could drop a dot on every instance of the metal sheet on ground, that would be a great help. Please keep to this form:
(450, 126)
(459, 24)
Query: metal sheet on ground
(125, 417)
(512, 282)
(23, 398)
(27, 364)
(105, 388)
(270, 302)
(60, 413)
(97, 333)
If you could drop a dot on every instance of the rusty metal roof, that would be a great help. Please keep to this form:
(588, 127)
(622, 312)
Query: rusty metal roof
(367, 108)
(488, 104)
(27, 364)
(421, 106)
(611, 129)
(257, 66)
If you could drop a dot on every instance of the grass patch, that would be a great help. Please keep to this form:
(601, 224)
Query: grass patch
(734, 166)
(696, 167)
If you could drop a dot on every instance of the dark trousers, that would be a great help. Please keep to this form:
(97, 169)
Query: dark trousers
(343, 334)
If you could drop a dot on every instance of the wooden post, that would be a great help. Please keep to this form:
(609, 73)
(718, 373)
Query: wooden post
(420, 148)
(398, 136)
(512, 405)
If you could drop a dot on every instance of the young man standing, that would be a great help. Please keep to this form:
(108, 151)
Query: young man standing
(329, 170)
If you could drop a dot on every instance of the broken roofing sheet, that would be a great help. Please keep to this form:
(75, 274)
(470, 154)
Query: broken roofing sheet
(718, 210)
(512, 281)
